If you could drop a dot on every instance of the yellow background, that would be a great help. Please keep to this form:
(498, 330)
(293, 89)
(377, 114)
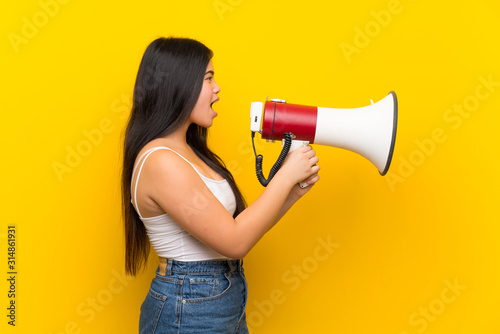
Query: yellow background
(400, 241)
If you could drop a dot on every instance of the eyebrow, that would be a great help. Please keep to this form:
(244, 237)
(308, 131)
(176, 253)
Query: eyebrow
(210, 72)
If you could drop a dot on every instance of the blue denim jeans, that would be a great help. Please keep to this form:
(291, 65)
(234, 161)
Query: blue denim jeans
(196, 297)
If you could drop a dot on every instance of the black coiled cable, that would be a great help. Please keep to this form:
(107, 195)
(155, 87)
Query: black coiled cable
(258, 159)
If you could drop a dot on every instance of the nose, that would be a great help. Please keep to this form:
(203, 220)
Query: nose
(216, 88)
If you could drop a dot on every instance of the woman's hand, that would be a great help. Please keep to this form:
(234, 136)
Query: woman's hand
(301, 166)
(298, 191)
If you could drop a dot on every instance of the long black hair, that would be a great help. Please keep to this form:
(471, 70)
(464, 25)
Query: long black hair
(167, 87)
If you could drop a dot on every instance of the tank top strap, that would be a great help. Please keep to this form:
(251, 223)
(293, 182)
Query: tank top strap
(145, 155)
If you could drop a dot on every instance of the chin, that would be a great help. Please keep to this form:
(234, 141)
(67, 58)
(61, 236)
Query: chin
(205, 124)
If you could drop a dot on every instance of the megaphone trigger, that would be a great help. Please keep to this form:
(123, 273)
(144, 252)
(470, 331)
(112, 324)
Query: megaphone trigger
(303, 185)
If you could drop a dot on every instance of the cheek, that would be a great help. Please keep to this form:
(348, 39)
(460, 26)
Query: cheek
(200, 115)
(202, 103)
(206, 91)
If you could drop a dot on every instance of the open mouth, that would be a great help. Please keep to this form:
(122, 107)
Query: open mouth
(213, 102)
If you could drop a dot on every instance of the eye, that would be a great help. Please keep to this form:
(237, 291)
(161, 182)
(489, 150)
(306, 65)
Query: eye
(209, 78)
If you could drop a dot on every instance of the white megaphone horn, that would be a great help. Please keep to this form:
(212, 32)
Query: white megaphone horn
(369, 131)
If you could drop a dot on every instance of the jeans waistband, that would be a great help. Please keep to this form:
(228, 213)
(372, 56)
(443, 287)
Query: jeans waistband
(168, 266)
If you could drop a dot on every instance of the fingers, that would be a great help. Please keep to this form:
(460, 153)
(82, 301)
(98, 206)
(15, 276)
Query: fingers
(315, 169)
(304, 148)
(304, 164)
(307, 150)
(311, 180)
(310, 153)
(313, 159)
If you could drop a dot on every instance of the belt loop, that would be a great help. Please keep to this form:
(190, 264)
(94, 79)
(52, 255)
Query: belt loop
(163, 266)
(231, 265)
(169, 267)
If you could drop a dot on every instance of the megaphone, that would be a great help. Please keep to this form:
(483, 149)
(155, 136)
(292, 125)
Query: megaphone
(369, 131)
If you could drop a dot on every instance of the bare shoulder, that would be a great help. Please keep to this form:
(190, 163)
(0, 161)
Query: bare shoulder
(166, 164)
(174, 185)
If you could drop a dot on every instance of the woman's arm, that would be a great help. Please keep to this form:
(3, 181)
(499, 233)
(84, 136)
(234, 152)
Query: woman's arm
(173, 185)
(295, 194)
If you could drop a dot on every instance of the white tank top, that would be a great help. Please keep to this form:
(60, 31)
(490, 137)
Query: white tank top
(168, 238)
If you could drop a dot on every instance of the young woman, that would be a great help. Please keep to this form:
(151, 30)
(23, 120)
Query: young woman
(178, 196)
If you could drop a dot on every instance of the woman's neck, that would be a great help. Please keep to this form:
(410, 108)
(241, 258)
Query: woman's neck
(177, 139)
